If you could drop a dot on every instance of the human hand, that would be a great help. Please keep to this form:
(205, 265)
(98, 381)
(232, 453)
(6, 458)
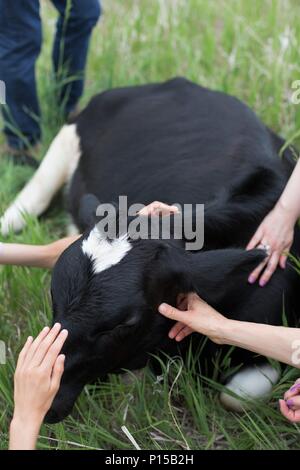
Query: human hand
(192, 315)
(275, 234)
(158, 208)
(290, 406)
(37, 379)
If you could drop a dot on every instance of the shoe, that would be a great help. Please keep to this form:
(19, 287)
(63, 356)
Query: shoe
(21, 157)
(72, 115)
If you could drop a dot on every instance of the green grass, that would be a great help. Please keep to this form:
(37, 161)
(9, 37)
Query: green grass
(246, 48)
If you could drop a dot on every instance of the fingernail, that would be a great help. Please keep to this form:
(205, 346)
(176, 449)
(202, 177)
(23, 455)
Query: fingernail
(295, 387)
(262, 283)
(290, 403)
(56, 325)
(251, 279)
(65, 332)
(46, 328)
(162, 308)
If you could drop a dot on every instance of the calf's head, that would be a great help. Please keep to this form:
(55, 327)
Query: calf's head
(106, 294)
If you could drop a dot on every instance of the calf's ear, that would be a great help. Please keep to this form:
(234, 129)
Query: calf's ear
(87, 210)
(167, 276)
(91, 211)
(222, 274)
(214, 275)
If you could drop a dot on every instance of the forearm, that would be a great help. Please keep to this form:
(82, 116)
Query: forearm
(289, 201)
(23, 435)
(43, 256)
(25, 255)
(276, 342)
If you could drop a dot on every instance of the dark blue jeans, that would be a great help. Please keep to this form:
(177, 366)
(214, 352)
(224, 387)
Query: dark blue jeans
(20, 45)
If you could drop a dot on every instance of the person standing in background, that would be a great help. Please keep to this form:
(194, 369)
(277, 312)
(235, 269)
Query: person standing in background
(20, 45)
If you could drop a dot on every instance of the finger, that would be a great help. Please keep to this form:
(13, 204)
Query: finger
(282, 261)
(23, 352)
(165, 209)
(35, 344)
(45, 345)
(175, 330)
(193, 299)
(50, 355)
(57, 373)
(157, 207)
(270, 269)
(182, 302)
(255, 274)
(296, 417)
(285, 411)
(255, 240)
(293, 403)
(171, 312)
(294, 390)
(186, 331)
(289, 414)
(151, 208)
(187, 301)
(146, 210)
(174, 209)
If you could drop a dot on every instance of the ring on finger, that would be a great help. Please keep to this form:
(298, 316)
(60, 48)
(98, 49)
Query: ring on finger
(266, 247)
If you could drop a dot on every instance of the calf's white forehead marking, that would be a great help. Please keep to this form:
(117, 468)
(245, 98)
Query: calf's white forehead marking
(104, 253)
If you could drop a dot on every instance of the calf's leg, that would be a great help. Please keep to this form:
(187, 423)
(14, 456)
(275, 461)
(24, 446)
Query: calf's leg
(56, 168)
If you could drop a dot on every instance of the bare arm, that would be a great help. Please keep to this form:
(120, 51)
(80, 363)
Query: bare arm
(276, 342)
(290, 198)
(277, 230)
(43, 256)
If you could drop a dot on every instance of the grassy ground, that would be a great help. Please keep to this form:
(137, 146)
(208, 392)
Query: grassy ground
(247, 48)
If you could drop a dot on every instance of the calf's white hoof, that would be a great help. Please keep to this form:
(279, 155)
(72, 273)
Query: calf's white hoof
(12, 220)
(255, 382)
(72, 230)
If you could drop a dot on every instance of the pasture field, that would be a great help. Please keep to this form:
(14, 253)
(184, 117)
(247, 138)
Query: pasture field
(246, 48)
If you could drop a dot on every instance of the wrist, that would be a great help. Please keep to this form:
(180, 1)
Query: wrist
(224, 331)
(287, 211)
(217, 331)
(29, 421)
(24, 432)
(49, 255)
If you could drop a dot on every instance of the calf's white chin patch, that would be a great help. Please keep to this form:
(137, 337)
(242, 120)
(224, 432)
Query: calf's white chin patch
(105, 253)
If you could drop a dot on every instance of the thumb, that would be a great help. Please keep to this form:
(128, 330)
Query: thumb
(171, 312)
(57, 373)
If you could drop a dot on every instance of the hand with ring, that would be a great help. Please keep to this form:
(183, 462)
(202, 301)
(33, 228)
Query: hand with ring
(275, 236)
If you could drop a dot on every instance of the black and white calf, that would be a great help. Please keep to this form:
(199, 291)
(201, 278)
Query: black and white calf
(179, 143)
